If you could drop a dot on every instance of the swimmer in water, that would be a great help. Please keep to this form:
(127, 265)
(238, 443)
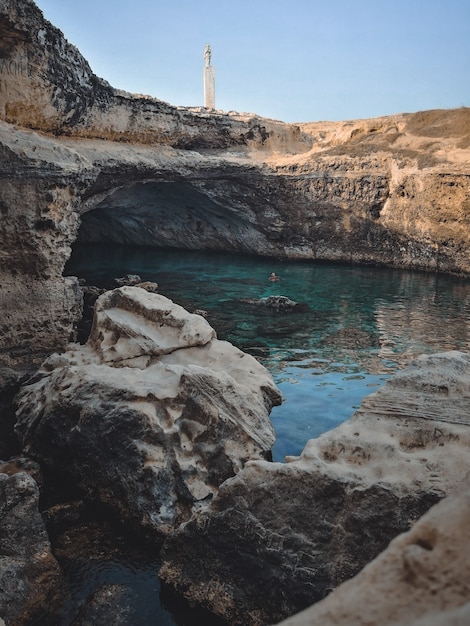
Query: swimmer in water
(273, 277)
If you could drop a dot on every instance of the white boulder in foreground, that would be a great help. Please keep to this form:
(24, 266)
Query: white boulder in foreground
(152, 415)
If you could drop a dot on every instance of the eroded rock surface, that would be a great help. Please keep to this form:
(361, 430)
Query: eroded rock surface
(152, 414)
(421, 579)
(279, 537)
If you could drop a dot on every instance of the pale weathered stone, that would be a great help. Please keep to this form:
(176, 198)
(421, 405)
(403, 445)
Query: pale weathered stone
(437, 388)
(152, 414)
(127, 326)
(278, 537)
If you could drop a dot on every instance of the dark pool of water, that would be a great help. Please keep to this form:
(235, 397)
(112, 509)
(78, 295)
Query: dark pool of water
(359, 326)
(112, 579)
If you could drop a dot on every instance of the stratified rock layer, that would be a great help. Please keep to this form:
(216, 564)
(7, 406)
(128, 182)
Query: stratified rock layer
(279, 537)
(79, 159)
(152, 414)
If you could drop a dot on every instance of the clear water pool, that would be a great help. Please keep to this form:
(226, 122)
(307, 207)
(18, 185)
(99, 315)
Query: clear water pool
(359, 325)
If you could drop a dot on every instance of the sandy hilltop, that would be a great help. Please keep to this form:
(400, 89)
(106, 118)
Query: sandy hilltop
(250, 540)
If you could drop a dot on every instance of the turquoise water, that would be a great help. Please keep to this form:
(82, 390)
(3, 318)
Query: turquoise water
(358, 325)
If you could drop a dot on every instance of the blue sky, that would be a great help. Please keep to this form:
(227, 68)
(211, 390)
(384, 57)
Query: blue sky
(296, 61)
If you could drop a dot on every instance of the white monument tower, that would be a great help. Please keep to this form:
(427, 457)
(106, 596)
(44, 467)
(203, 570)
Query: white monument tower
(209, 80)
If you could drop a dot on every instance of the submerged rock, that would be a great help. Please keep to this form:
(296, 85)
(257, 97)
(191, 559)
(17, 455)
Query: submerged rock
(278, 303)
(131, 280)
(152, 414)
(279, 537)
(134, 280)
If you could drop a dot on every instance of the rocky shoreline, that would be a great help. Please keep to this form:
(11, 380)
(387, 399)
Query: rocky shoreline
(162, 427)
(165, 427)
(308, 525)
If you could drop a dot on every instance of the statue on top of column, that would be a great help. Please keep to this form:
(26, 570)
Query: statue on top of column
(207, 55)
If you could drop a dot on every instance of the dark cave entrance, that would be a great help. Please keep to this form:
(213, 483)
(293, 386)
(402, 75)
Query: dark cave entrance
(169, 214)
(119, 231)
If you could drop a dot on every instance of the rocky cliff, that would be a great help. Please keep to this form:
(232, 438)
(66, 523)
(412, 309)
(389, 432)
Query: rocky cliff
(80, 159)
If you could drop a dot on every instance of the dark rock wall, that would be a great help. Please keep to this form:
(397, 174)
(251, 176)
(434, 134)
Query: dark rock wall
(30, 578)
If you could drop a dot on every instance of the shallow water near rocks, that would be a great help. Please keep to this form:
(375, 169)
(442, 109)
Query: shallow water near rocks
(358, 326)
(112, 579)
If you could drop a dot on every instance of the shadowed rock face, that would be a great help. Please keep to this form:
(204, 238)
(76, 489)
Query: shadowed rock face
(172, 214)
(30, 578)
(134, 169)
(421, 579)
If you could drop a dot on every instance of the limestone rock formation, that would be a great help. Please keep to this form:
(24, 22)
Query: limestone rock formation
(152, 414)
(279, 537)
(81, 160)
(29, 574)
(421, 579)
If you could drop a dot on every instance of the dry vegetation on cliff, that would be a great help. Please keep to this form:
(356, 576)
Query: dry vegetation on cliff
(429, 139)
